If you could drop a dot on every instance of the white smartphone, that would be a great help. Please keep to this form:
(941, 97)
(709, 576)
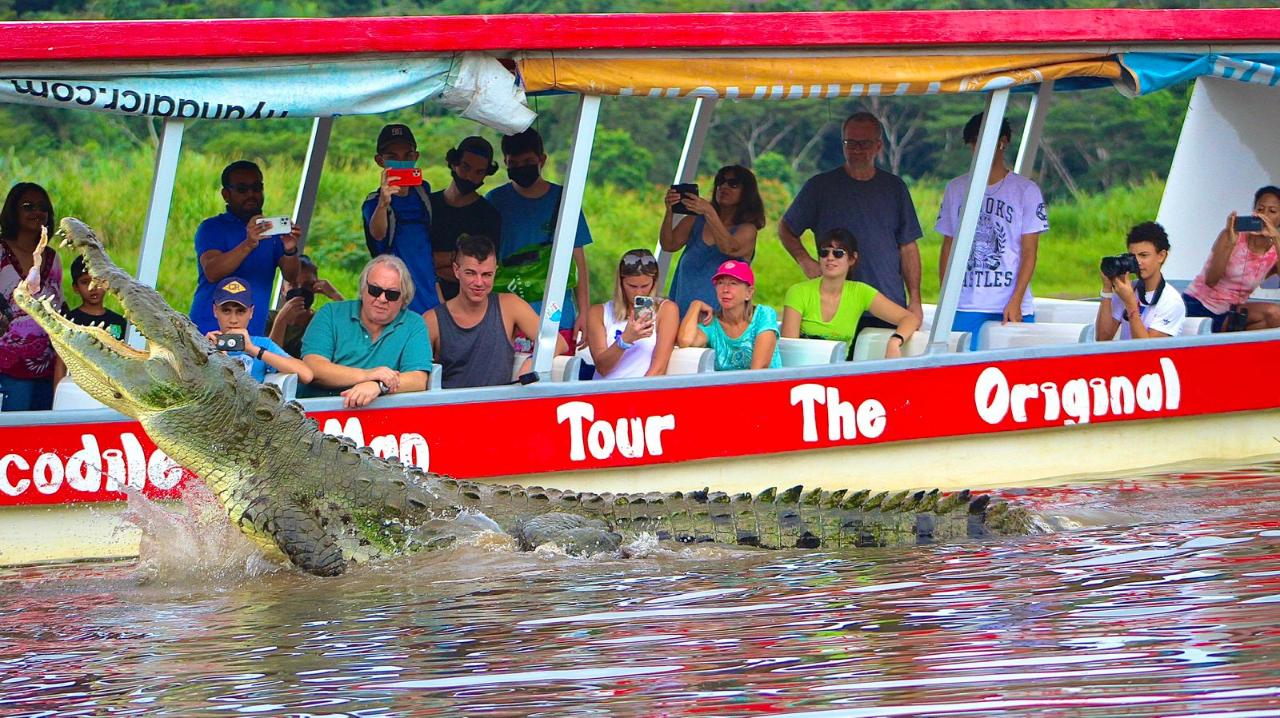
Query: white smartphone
(275, 225)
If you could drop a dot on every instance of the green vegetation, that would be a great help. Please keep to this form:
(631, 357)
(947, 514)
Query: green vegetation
(110, 192)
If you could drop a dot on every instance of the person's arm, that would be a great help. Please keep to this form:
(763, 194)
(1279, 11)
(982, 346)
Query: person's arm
(909, 255)
(791, 322)
(944, 256)
(282, 363)
(1026, 268)
(690, 334)
(431, 321)
(1221, 252)
(218, 265)
(327, 373)
(604, 351)
(740, 243)
(1106, 326)
(581, 295)
(59, 370)
(526, 320)
(668, 318)
(289, 263)
(377, 224)
(672, 238)
(763, 347)
(907, 323)
(791, 242)
(289, 312)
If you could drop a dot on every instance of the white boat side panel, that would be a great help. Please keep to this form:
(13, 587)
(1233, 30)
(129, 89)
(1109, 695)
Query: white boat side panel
(1227, 150)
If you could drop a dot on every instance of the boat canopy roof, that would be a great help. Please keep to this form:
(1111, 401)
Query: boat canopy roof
(259, 69)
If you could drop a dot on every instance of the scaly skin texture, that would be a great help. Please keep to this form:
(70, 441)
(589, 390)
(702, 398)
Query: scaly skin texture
(324, 504)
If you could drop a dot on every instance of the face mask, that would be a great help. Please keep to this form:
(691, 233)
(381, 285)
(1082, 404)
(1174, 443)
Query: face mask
(465, 186)
(524, 176)
(399, 164)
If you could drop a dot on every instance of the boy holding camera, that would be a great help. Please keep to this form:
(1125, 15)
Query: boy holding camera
(233, 308)
(1149, 308)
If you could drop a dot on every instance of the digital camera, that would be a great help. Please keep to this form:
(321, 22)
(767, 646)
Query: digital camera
(272, 226)
(1119, 265)
(308, 296)
(229, 343)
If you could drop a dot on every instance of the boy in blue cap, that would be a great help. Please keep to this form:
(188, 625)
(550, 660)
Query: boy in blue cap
(233, 308)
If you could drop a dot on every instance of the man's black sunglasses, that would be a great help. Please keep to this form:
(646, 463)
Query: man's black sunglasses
(375, 291)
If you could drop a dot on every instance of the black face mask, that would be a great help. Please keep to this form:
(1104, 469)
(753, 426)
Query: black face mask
(465, 186)
(524, 176)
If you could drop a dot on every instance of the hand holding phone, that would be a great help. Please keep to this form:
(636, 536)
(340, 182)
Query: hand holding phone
(272, 226)
(643, 309)
(683, 189)
(1248, 223)
(411, 177)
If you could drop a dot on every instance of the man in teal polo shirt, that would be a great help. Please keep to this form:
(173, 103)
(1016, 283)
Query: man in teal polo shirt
(363, 348)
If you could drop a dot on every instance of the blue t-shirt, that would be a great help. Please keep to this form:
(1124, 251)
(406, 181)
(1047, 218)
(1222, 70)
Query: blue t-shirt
(530, 222)
(698, 264)
(878, 212)
(410, 240)
(736, 353)
(257, 368)
(224, 233)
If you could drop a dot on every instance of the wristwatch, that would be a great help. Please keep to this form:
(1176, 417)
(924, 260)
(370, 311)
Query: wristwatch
(261, 351)
(383, 389)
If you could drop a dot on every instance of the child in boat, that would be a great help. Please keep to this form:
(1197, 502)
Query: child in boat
(630, 338)
(233, 308)
(830, 306)
(743, 335)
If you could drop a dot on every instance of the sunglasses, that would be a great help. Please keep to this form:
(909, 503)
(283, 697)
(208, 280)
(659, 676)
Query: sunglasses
(836, 252)
(35, 207)
(639, 263)
(730, 182)
(245, 187)
(375, 291)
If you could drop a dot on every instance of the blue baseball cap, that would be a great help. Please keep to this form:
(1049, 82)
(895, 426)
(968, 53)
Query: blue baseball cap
(232, 289)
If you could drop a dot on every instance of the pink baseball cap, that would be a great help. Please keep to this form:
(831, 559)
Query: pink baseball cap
(737, 269)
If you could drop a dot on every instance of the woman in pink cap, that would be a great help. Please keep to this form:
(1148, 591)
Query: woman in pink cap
(742, 334)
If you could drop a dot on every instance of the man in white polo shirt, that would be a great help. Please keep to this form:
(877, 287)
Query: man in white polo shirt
(1155, 311)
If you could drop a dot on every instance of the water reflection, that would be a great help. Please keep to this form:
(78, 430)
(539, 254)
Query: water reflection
(1169, 613)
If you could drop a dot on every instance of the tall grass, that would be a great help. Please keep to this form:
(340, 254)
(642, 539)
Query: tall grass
(111, 194)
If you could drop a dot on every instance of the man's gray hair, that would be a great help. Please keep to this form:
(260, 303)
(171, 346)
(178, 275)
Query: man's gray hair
(406, 281)
(866, 117)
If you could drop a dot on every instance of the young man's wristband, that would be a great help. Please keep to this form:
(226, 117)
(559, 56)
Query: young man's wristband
(901, 339)
(291, 252)
(261, 351)
(1106, 295)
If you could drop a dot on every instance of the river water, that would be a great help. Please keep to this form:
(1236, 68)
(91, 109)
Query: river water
(1165, 604)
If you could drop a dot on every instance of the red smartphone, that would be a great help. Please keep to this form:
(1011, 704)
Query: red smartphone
(411, 177)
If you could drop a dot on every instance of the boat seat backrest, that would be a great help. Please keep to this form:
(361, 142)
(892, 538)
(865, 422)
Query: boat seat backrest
(929, 311)
(69, 395)
(1055, 311)
(1196, 325)
(435, 382)
(287, 383)
(563, 368)
(994, 335)
(807, 352)
(691, 360)
(871, 343)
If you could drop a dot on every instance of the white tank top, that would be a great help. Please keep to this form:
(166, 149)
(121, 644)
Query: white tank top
(635, 361)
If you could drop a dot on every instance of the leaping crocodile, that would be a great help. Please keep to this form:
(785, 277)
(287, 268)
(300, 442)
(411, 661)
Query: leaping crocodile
(325, 504)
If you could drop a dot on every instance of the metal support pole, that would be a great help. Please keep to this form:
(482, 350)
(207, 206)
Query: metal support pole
(962, 243)
(304, 206)
(1029, 148)
(157, 220)
(687, 171)
(575, 183)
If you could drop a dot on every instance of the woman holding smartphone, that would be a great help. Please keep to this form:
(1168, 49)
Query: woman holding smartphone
(1246, 252)
(717, 231)
(633, 334)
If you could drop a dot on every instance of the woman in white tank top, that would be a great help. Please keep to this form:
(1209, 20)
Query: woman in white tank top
(626, 342)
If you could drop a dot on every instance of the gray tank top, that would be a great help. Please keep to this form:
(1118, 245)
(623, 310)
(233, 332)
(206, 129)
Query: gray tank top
(479, 356)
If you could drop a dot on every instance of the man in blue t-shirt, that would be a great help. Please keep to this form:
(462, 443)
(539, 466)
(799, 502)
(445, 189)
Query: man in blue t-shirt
(397, 216)
(529, 205)
(235, 243)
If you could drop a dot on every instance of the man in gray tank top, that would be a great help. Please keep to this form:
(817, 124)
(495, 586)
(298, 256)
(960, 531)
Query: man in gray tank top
(472, 334)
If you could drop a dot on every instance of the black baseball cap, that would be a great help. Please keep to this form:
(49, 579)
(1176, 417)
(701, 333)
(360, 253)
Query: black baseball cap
(77, 269)
(396, 133)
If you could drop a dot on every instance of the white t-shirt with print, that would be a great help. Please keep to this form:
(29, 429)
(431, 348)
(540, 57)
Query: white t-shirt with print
(1012, 207)
(1165, 316)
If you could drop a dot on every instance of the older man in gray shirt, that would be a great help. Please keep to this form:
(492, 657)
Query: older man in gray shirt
(872, 204)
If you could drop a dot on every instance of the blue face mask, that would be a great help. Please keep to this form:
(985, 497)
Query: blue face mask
(399, 164)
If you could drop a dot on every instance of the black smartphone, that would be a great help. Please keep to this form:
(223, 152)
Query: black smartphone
(308, 296)
(678, 207)
(229, 342)
(1248, 223)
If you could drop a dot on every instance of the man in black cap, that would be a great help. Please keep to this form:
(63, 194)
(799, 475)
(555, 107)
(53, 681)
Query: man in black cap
(397, 216)
(457, 209)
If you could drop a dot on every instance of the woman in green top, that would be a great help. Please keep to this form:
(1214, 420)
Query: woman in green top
(829, 307)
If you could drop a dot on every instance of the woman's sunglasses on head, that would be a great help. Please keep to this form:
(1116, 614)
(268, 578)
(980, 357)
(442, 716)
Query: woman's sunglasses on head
(639, 263)
(375, 291)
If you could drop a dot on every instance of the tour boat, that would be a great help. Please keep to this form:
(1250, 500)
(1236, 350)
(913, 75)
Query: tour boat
(1038, 403)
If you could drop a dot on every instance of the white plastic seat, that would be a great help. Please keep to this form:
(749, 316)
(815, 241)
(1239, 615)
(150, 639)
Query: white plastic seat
(994, 335)
(807, 352)
(929, 310)
(1196, 325)
(871, 343)
(691, 360)
(435, 382)
(563, 368)
(287, 383)
(1071, 311)
(69, 395)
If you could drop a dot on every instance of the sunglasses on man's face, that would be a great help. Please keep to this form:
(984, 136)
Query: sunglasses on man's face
(375, 291)
(730, 182)
(34, 207)
(836, 252)
(245, 187)
(639, 264)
